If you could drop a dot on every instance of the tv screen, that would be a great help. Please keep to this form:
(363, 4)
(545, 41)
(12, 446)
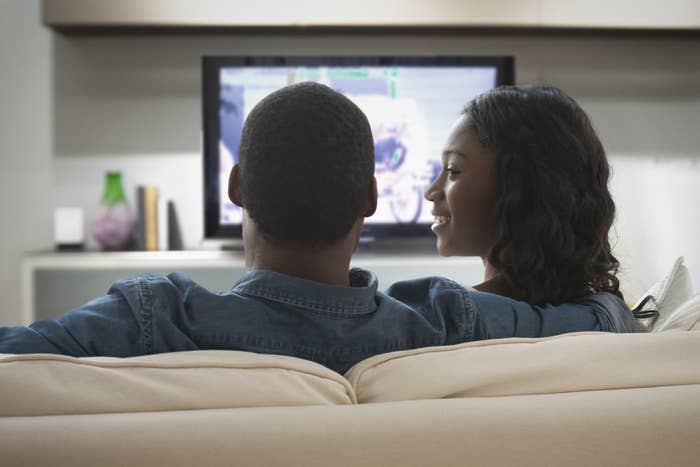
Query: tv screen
(410, 102)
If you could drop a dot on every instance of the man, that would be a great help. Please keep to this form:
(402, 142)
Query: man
(305, 181)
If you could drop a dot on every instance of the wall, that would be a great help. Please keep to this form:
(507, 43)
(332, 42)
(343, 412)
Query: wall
(83, 104)
(27, 193)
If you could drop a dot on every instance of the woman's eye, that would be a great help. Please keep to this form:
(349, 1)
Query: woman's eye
(449, 170)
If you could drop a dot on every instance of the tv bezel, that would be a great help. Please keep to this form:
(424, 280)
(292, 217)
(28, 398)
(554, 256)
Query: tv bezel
(211, 65)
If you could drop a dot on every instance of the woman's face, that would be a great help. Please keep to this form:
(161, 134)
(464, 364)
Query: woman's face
(464, 195)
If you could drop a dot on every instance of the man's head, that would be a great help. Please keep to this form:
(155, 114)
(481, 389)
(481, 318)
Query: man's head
(306, 167)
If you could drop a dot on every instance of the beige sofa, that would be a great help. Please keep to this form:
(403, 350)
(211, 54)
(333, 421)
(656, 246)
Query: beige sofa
(572, 400)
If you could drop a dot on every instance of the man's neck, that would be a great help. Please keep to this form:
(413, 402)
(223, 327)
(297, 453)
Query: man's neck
(326, 265)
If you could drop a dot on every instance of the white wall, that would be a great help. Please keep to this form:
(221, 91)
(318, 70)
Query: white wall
(27, 194)
(74, 106)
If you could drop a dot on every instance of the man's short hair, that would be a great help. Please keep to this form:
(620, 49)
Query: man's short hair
(307, 164)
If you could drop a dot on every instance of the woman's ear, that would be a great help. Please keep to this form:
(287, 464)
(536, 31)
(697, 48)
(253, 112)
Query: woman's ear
(234, 186)
(371, 198)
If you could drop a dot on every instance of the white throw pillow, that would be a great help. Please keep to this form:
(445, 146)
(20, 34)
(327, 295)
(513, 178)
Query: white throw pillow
(685, 318)
(669, 293)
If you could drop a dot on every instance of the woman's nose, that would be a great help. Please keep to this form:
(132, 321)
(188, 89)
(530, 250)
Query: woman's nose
(434, 192)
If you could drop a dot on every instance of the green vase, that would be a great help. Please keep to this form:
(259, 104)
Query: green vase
(113, 223)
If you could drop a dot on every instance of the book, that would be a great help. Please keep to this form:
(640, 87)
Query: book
(139, 237)
(146, 228)
(162, 223)
(150, 218)
(156, 223)
(174, 232)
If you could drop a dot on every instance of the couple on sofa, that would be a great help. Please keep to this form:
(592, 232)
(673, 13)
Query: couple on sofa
(523, 185)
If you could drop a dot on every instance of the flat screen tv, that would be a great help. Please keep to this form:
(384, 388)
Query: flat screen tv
(410, 102)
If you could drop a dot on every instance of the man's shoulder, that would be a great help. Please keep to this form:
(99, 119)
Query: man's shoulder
(172, 279)
(425, 285)
(148, 285)
(438, 300)
(439, 294)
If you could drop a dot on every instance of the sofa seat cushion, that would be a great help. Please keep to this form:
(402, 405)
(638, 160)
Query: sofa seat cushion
(520, 366)
(43, 384)
(647, 427)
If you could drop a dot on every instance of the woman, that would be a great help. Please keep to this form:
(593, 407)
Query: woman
(524, 186)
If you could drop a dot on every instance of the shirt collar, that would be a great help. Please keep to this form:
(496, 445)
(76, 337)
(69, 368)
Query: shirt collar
(359, 298)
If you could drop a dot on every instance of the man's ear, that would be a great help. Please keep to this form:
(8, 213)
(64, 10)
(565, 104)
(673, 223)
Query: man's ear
(234, 186)
(372, 198)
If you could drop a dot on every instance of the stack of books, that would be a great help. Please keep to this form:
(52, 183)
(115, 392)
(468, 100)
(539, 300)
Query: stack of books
(156, 221)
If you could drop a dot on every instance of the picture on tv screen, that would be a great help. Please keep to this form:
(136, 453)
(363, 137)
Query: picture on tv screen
(410, 104)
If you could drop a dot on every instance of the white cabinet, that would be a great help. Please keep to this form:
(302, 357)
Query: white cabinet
(53, 283)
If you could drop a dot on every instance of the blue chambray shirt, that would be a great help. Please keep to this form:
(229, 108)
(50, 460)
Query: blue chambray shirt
(273, 313)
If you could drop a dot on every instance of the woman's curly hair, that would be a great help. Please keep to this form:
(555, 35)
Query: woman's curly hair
(554, 210)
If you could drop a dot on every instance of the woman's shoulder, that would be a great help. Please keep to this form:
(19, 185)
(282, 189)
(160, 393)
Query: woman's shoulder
(613, 308)
(602, 311)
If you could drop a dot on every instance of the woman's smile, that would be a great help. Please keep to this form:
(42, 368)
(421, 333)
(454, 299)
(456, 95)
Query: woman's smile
(441, 222)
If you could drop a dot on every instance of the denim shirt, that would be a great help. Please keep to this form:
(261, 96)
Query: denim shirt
(273, 313)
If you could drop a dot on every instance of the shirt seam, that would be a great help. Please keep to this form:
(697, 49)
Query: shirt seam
(146, 314)
(317, 308)
(469, 308)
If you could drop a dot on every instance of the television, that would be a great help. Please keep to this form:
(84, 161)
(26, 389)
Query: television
(410, 102)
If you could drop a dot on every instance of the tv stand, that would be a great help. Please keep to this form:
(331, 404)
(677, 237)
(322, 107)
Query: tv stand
(396, 246)
(55, 282)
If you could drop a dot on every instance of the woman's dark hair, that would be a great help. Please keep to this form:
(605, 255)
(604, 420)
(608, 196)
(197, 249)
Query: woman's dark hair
(554, 210)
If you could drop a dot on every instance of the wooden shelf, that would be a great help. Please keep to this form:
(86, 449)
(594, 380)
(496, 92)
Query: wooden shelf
(617, 14)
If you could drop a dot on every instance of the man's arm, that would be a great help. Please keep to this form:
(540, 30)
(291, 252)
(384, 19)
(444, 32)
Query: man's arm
(105, 326)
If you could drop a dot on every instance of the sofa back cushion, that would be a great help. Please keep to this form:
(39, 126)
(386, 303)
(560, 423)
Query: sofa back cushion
(42, 384)
(518, 366)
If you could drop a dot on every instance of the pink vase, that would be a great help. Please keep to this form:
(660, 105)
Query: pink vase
(113, 222)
